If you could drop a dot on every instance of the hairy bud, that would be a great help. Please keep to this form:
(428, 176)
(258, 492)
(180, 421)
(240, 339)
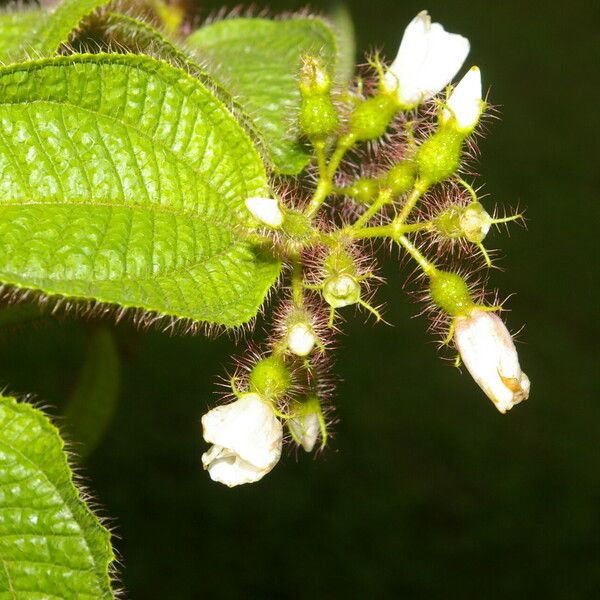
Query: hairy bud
(270, 378)
(450, 292)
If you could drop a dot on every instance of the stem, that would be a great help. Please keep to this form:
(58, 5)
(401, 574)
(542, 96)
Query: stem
(325, 185)
(392, 231)
(384, 197)
(410, 203)
(428, 268)
(297, 280)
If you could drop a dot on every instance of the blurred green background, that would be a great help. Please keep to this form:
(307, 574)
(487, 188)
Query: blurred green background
(426, 491)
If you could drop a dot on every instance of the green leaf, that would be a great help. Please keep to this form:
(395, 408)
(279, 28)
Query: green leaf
(93, 402)
(15, 31)
(258, 61)
(123, 180)
(51, 545)
(41, 32)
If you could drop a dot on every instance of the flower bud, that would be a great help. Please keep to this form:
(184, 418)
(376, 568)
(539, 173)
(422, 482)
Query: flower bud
(372, 117)
(428, 58)
(401, 177)
(246, 437)
(475, 222)
(438, 157)
(341, 290)
(488, 351)
(266, 210)
(450, 292)
(301, 338)
(464, 106)
(364, 190)
(306, 425)
(318, 116)
(270, 378)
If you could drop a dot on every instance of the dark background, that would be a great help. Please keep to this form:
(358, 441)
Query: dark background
(426, 490)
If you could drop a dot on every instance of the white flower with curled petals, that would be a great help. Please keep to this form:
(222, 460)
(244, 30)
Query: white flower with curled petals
(428, 58)
(266, 210)
(465, 103)
(246, 437)
(488, 352)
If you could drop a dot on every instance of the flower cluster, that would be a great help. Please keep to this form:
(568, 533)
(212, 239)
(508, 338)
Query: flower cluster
(413, 133)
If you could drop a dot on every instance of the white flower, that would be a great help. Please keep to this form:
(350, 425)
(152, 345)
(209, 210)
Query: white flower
(464, 103)
(247, 439)
(265, 210)
(301, 339)
(487, 350)
(428, 58)
(305, 429)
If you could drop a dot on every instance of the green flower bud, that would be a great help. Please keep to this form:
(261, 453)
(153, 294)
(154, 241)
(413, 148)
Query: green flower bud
(270, 378)
(438, 158)
(447, 223)
(318, 116)
(372, 117)
(450, 292)
(341, 290)
(401, 177)
(364, 190)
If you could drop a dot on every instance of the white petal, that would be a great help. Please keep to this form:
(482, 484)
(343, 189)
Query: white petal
(248, 427)
(428, 58)
(265, 210)
(487, 350)
(228, 468)
(305, 430)
(301, 340)
(465, 100)
(446, 55)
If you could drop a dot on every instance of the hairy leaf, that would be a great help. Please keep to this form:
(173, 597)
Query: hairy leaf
(15, 29)
(51, 545)
(123, 180)
(258, 61)
(93, 402)
(42, 32)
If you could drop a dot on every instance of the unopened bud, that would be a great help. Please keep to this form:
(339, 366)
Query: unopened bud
(372, 117)
(451, 293)
(438, 157)
(305, 426)
(270, 378)
(301, 338)
(401, 177)
(364, 190)
(318, 116)
(266, 210)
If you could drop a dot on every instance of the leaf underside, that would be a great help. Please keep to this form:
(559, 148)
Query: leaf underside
(51, 545)
(258, 61)
(123, 180)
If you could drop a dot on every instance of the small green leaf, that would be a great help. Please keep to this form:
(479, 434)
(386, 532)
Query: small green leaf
(123, 180)
(93, 402)
(41, 32)
(51, 544)
(258, 61)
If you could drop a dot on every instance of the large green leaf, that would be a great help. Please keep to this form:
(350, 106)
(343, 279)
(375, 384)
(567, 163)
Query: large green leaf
(42, 32)
(94, 399)
(258, 61)
(123, 180)
(51, 545)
